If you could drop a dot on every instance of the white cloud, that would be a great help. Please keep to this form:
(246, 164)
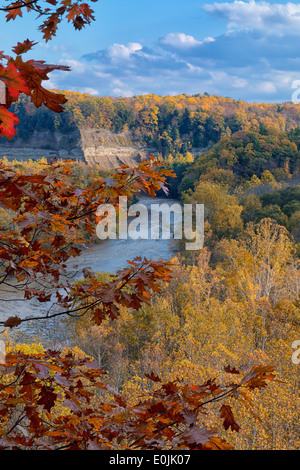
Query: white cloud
(239, 83)
(76, 65)
(179, 40)
(257, 61)
(275, 19)
(100, 74)
(124, 92)
(266, 87)
(120, 52)
(90, 91)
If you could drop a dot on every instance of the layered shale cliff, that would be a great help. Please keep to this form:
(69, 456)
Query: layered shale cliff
(108, 149)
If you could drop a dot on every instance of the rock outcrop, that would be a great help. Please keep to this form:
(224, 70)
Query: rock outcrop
(108, 149)
(111, 150)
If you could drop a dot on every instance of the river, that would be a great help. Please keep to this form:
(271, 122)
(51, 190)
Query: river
(106, 256)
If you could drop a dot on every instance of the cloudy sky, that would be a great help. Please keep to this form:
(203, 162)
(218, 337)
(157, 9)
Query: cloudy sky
(245, 50)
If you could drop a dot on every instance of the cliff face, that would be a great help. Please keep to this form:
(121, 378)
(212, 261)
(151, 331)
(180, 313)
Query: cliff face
(100, 146)
(111, 150)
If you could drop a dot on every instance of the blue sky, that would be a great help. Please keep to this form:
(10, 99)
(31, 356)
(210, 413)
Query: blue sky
(247, 50)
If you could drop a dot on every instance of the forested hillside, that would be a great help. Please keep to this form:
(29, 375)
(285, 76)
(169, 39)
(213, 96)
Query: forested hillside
(230, 307)
(241, 159)
(170, 123)
(226, 309)
(199, 350)
(217, 132)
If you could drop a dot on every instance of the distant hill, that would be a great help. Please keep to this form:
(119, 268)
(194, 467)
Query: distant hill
(111, 131)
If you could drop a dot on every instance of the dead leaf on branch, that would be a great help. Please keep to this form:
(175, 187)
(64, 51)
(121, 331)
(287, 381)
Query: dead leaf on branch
(12, 322)
(229, 421)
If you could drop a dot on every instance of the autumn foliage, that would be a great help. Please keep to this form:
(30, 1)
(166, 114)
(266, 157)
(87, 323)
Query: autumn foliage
(79, 14)
(56, 399)
(48, 402)
(26, 77)
(51, 222)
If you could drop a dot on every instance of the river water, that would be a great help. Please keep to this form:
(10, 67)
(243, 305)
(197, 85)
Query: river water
(106, 256)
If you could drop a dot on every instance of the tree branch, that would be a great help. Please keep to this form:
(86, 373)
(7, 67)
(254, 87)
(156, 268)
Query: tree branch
(24, 4)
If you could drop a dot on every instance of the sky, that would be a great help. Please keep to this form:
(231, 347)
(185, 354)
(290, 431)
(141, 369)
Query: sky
(248, 50)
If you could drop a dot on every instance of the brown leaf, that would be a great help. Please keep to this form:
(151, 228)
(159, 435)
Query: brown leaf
(23, 47)
(226, 413)
(231, 370)
(196, 435)
(153, 377)
(47, 397)
(12, 322)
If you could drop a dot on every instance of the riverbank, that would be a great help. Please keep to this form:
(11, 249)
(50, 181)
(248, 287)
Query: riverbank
(106, 256)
